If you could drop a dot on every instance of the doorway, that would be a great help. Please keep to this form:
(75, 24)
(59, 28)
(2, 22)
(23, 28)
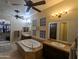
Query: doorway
(4, 30)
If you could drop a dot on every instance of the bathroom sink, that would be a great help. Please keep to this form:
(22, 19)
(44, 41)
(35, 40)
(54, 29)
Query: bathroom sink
(30, 43)
(58, 44)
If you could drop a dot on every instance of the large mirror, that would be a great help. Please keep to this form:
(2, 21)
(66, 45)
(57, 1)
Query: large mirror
(63, 31)
(53, 31)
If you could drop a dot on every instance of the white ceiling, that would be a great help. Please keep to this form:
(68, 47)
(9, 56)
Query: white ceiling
(6, 7)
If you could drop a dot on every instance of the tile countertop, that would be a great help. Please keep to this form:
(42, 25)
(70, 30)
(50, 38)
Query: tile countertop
(66, 48)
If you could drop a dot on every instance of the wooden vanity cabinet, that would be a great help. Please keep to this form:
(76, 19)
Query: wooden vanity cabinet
(54, 53)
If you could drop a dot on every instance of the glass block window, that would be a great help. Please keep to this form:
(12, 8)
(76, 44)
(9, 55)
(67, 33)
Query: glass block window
(43, 21)
(42, 34)
(34, 32)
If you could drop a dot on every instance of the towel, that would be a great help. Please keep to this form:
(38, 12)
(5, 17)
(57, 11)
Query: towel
(73, 50)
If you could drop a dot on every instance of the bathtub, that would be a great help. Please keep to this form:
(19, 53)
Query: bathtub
(30, 43)
(30, 49)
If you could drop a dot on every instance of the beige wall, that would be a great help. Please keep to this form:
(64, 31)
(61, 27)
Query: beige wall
(71, 17)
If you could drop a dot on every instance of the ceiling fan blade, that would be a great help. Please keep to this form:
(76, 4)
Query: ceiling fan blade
(26, 1)
(36, 9)
(39, 3)
(28, 8)
(17, 11)
(17, 16)
(21, 17)
(15, 4)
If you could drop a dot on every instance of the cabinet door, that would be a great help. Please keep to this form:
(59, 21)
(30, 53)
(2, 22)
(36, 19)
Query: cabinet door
(53, 53)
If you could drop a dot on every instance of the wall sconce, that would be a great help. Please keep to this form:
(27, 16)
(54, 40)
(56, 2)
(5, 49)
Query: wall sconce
(59, 14)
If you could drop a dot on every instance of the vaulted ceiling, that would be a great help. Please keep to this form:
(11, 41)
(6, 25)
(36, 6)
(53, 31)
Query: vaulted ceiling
(7, 7)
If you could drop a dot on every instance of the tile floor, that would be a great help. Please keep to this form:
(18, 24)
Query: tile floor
(13, 54)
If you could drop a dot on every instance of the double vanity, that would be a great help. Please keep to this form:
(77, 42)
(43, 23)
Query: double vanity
(55, 50)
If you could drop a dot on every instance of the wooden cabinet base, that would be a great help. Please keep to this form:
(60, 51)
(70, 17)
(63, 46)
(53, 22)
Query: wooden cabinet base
(53, 53)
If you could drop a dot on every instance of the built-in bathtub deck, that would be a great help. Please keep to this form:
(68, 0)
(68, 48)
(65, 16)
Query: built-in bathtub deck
(28, 53)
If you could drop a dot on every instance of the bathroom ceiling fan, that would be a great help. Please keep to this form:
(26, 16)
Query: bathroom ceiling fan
(17, 16)
(30, 5)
